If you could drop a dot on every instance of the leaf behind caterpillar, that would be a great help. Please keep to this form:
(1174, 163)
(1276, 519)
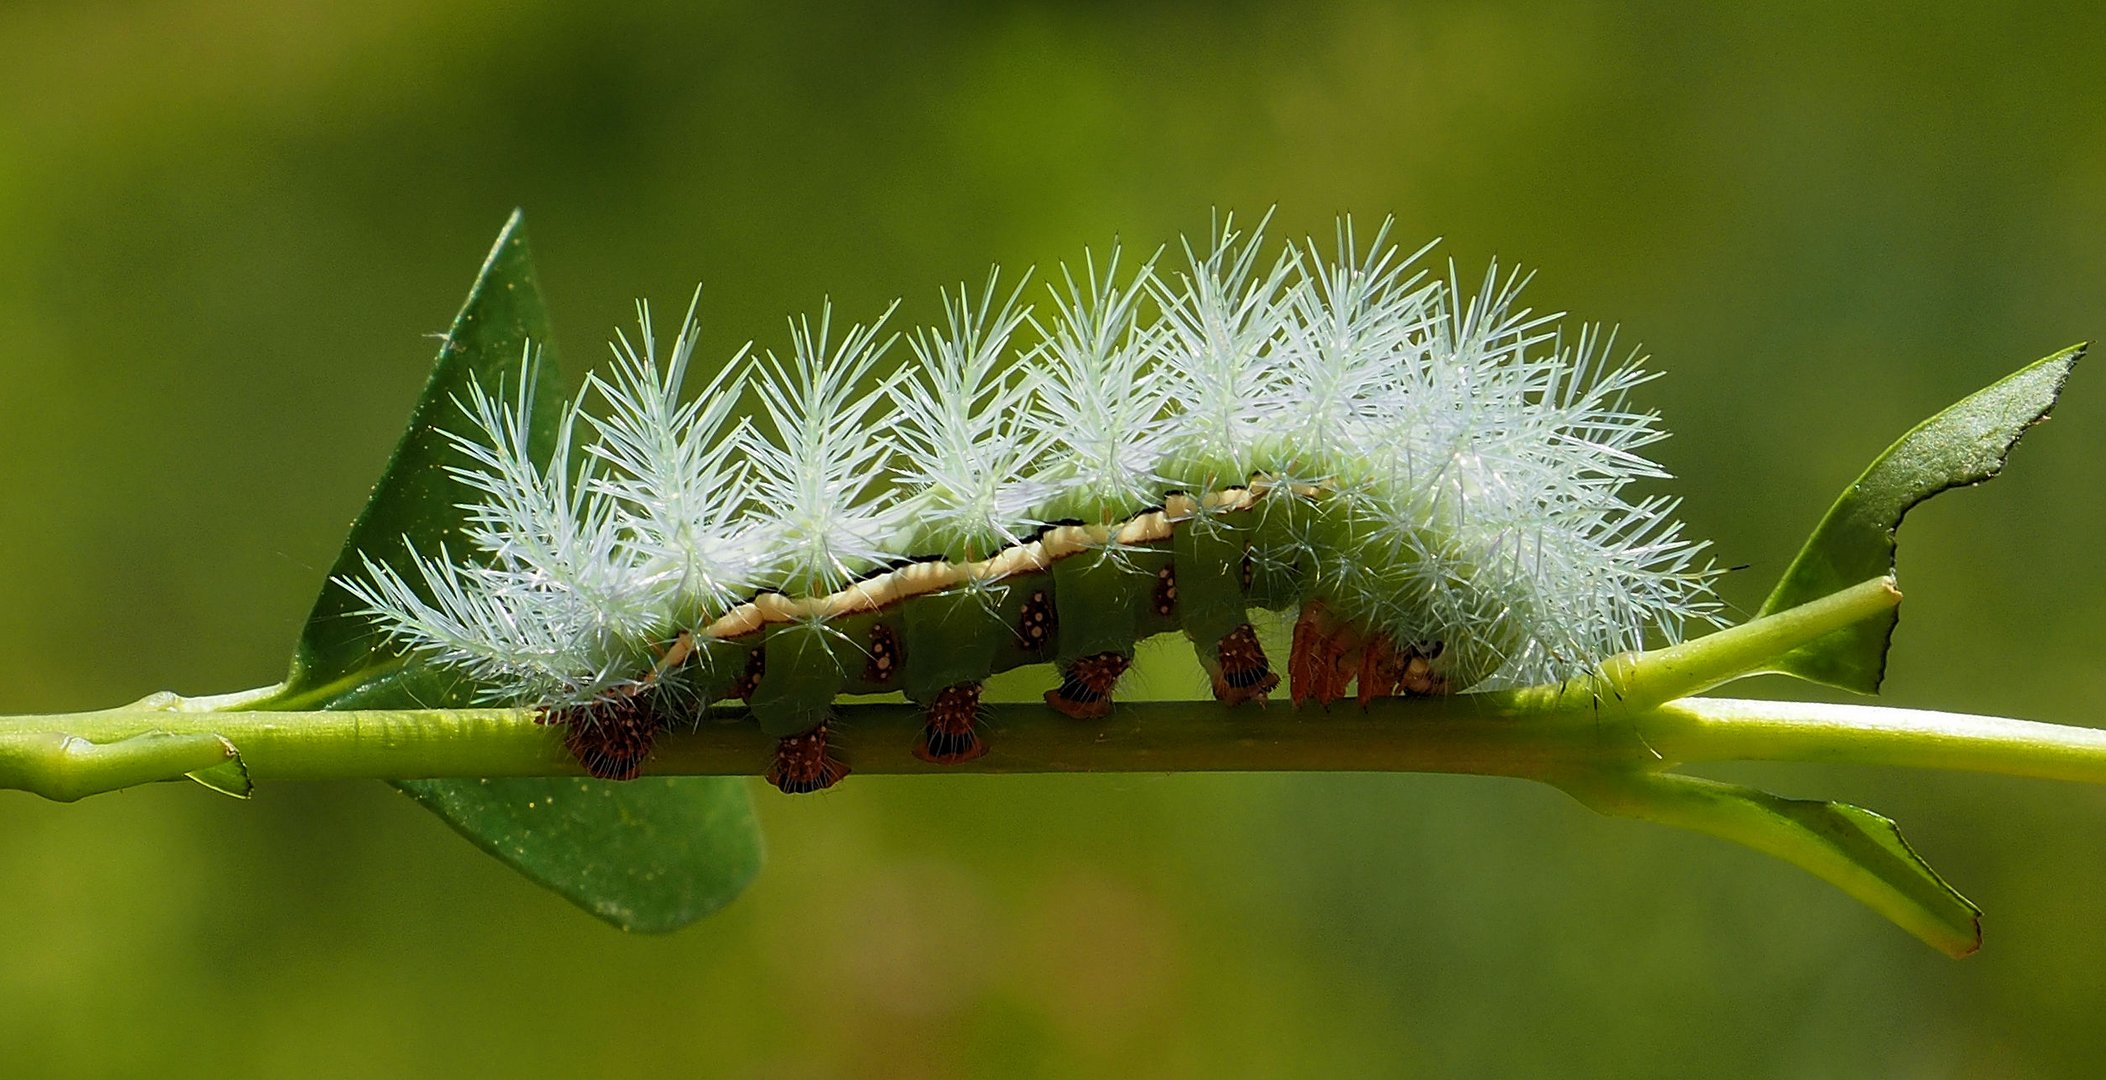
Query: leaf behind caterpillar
(644, 856)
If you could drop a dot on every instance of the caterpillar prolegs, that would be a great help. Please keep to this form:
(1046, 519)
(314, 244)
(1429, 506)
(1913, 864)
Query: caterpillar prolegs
(1436, 481)
(1076, 597)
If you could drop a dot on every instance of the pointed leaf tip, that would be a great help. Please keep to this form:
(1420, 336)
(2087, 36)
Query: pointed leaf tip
(1965, 445)
(416, 498)
(1856, 850)
(646, 855)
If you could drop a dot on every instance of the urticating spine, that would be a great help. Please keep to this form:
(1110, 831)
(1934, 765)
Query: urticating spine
(1438, 480)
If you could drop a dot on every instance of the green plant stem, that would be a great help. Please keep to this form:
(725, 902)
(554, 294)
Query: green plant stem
(1467, 734)
(1635, 719)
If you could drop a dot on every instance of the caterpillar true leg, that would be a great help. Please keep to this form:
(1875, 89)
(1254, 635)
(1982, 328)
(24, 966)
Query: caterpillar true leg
(1325, 659)
(1419, 676)
(1331, 655)
(1382, 667)
(948, 737)
(1086, 684)
(804, 764)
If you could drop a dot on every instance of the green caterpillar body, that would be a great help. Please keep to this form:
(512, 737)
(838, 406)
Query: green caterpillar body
(1056, 599)
(1080, 597)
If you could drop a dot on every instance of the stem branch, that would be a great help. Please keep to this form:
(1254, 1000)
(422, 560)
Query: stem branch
(1725, 729)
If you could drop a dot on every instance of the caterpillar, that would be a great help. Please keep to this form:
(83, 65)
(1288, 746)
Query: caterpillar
(1436, 484)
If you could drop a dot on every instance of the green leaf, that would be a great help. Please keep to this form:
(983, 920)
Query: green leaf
(416, 498)
(1853, 849)
(649, 855)
(644, 855)
(1962, 446)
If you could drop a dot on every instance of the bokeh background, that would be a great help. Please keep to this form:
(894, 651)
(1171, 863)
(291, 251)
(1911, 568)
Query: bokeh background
(229, 228)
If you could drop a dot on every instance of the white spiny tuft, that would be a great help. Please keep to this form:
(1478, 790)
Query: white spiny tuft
(1221, 324)
(817, 472)
(550, 607)
(965, 432)
(673, 472)
(1353, 324)
(1465, 469)
(1100, 397)
(1498, 508)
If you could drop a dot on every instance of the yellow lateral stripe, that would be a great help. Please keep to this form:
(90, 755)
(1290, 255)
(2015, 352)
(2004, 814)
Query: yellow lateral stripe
(923, 578)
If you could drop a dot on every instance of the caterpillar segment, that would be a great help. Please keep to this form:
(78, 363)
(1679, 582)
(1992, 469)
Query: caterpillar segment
(957, 638)
(1212, 552)
(1102, 596)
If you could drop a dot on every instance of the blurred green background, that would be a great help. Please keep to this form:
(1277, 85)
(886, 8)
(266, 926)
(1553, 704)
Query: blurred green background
(228, 229)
